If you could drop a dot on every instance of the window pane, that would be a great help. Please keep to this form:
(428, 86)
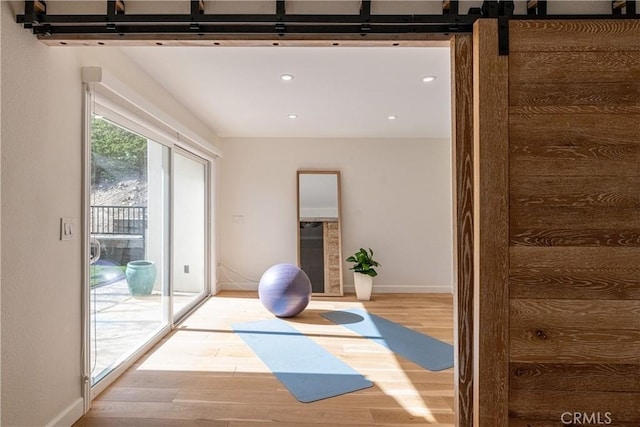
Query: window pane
(189, 178)
(128, 232)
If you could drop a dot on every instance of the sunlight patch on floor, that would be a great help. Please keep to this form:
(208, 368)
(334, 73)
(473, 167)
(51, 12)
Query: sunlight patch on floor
(206, 343)
(381, 366)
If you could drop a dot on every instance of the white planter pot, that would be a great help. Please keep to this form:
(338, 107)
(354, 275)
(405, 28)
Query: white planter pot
(363, 284)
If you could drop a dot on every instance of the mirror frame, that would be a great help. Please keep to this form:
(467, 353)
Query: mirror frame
(340, 291)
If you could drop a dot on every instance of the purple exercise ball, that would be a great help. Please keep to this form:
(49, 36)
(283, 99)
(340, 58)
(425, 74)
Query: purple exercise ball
(284, 290)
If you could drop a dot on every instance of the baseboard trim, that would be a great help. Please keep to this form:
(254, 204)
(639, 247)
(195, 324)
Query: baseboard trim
(228, 286)
(69, 415)
(380, 289)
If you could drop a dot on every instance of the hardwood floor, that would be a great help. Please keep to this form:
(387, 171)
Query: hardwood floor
(202, 374)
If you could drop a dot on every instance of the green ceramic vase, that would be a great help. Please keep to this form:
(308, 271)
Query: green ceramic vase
(141, 276)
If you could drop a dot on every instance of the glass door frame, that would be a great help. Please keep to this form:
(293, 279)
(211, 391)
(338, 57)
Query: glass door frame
(176, 144)
(187, 152)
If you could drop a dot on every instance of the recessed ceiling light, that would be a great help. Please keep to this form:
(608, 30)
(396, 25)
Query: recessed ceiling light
(392, 117)
(428, 79)
(286, 77)
(293, 116)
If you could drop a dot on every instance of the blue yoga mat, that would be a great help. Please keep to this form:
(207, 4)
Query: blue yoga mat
(423, 350)
(305, 368)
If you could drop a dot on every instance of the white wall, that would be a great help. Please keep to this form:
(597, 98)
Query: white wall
(41, 182)
(396, 199)
(41, 113)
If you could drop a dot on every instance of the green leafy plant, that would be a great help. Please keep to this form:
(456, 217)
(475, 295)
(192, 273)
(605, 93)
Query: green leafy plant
(364, 262)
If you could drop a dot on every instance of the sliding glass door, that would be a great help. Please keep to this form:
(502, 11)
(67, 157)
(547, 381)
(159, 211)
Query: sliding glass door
(147, 234)
(190, 269)
(129, 234)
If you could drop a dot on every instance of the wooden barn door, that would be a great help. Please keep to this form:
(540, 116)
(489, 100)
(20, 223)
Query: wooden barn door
(558, 223)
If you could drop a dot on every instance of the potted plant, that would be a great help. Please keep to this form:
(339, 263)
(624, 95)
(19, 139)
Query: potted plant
(363, 273)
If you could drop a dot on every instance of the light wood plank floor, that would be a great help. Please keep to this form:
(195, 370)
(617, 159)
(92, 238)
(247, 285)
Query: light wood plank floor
(202, 374)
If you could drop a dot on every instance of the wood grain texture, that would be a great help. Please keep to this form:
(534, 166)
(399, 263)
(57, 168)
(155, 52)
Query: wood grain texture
(569, 237)
(589, 160)
(551, 344)
(594, 217)
(204, 374)
(247, 40)
(574, 144)
(557, 422)
(573, 67)
(574, 35)
(563, 283)
(575, 109)
(148, 422)
(574, 210)
(602, 258)
(577, 377)
(574, 277)
(584, 314)
(491, 227)
(462, 113)
(562, 94)
(550, 405)
(574, 191)
(572, 129)
(197, 410)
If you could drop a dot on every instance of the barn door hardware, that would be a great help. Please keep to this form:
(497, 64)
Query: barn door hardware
(117, 26)
(281, 12)
(365, 16)
(618, 6)
(451, 7)
(506, 12)
(33, 13)
(114, 8)
(536, 8)
(503, 11)
(199, 23)
(197, 9)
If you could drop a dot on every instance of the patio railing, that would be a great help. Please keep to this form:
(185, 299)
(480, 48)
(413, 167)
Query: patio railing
(125, 220)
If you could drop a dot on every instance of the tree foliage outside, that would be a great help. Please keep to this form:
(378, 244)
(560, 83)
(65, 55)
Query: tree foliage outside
(116, 152)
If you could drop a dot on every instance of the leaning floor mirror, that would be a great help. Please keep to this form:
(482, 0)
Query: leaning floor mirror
(319, 230)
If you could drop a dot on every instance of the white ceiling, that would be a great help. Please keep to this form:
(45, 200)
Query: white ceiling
(336, 92)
